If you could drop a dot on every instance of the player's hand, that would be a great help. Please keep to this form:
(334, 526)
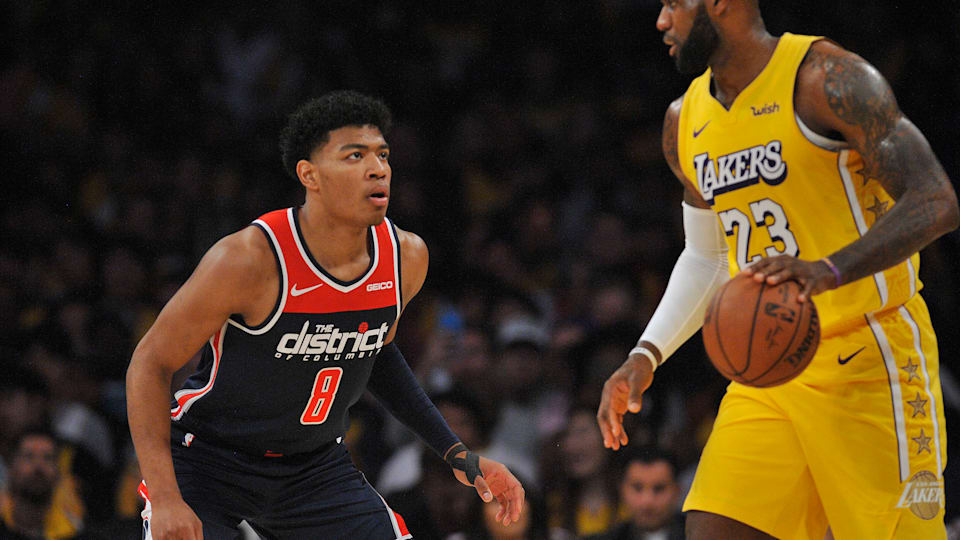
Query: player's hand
(497, 483)
(623, 392)
(814, 277)
(174, 520)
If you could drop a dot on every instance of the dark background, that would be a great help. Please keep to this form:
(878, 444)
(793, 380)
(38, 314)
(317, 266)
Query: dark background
(526, 154)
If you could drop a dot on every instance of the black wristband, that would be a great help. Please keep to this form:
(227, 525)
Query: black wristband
(469, 464)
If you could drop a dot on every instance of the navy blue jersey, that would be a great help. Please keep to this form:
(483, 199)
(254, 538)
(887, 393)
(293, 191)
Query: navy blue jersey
(285, 386)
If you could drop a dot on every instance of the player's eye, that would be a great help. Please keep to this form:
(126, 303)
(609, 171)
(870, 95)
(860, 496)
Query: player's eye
(384, 155)
(356, 155)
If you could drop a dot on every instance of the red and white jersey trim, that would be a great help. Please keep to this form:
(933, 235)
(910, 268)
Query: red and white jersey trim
(186, 397)
(283, 285)
(323, 277)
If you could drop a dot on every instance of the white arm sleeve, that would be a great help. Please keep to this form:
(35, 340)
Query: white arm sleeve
(700, 270)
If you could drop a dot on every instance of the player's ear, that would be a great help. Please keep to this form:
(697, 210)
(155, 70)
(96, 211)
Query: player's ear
(719, 6)
(307, 173)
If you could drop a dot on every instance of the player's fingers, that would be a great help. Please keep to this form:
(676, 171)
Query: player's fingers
(808, 290)
(779, 275)
(636, 392)
(482, 489)
(518, 500)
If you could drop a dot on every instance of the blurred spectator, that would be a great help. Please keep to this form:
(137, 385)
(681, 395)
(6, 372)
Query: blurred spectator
(649, 497)
(579, 483)
(532, 524)
(34, 505)
(530, 409)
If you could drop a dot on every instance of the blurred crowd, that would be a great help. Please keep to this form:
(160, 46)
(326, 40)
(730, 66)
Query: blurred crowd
(526, 154)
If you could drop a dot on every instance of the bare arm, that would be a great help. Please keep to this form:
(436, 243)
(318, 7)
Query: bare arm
(196, 312)
(839, 91)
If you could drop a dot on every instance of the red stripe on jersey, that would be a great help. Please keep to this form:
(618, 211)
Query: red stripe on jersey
(312, 290)
(401, 524)
(142, 491)
(184, 399)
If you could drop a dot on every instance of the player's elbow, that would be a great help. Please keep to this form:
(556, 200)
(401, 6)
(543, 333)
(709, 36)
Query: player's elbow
(950, 212)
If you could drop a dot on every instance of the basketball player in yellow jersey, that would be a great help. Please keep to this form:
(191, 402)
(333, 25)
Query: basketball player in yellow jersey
(798, 164)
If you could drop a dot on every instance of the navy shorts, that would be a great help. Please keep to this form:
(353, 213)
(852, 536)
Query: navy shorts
(307, 496)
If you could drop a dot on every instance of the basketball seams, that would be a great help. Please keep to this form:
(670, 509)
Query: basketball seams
(753, 327)
(786, 349)
(733, 312)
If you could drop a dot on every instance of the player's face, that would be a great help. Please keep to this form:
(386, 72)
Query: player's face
(690, 33)
(353, 174)
(649, 492)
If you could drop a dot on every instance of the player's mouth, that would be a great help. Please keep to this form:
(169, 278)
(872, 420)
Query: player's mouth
(379, 197)
(673, 46)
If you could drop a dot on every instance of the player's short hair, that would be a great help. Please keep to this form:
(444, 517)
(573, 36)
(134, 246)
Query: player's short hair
(310, 125)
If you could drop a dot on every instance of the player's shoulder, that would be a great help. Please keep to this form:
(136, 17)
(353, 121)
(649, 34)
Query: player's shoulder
(673, 111)
(245, 254)
(411, 245)
(830, 69)
(837, 87)
(415, 258)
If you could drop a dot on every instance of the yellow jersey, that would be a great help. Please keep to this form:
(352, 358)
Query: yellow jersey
(780, 188)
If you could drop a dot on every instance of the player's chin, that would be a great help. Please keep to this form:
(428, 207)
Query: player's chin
(376, 217)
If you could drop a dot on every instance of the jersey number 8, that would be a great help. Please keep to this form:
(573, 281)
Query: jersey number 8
(321, 398)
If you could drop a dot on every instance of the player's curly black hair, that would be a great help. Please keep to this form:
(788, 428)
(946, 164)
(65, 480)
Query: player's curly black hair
(309, 126)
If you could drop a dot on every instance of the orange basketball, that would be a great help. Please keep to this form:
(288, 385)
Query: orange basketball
(758, 334)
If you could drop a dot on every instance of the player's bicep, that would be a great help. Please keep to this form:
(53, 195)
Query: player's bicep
(856, 101)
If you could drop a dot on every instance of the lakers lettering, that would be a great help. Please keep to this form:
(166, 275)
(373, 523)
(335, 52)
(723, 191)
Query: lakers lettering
(328, 342)
(923, 495)
(739, 169)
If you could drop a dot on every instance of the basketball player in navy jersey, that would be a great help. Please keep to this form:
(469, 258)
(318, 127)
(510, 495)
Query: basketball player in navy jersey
(296, 315)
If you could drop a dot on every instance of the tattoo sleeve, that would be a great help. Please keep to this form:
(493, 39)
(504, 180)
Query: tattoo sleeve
(898, 156)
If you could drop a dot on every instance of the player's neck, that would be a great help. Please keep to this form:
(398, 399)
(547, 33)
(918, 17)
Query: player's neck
(332, 242)
(738, 60)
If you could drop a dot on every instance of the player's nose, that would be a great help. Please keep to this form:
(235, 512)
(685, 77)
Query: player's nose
(378, 168)
(663, 19)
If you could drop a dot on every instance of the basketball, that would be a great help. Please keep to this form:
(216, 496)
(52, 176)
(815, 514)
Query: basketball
(758, 334)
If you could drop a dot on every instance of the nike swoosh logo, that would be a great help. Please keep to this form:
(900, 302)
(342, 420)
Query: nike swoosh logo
(843, 361)
(294, 291)
(697, 131)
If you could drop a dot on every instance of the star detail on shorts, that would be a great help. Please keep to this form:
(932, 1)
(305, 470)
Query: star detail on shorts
(918, 404)
(911, 370)
(862, 173)
(923, 442)
(878, 208)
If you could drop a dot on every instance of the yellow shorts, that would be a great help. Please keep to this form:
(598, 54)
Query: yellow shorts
(856, 442)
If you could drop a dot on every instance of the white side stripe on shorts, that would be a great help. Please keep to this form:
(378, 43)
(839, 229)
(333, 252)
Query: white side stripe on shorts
(926, 382)
(896, 394)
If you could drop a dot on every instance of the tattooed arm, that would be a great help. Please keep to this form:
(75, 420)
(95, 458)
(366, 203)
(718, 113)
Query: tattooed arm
(839, 93)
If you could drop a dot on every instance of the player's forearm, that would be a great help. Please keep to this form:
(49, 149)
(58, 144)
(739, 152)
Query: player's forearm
(148, 413)
(918, 218)
(397, 389)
